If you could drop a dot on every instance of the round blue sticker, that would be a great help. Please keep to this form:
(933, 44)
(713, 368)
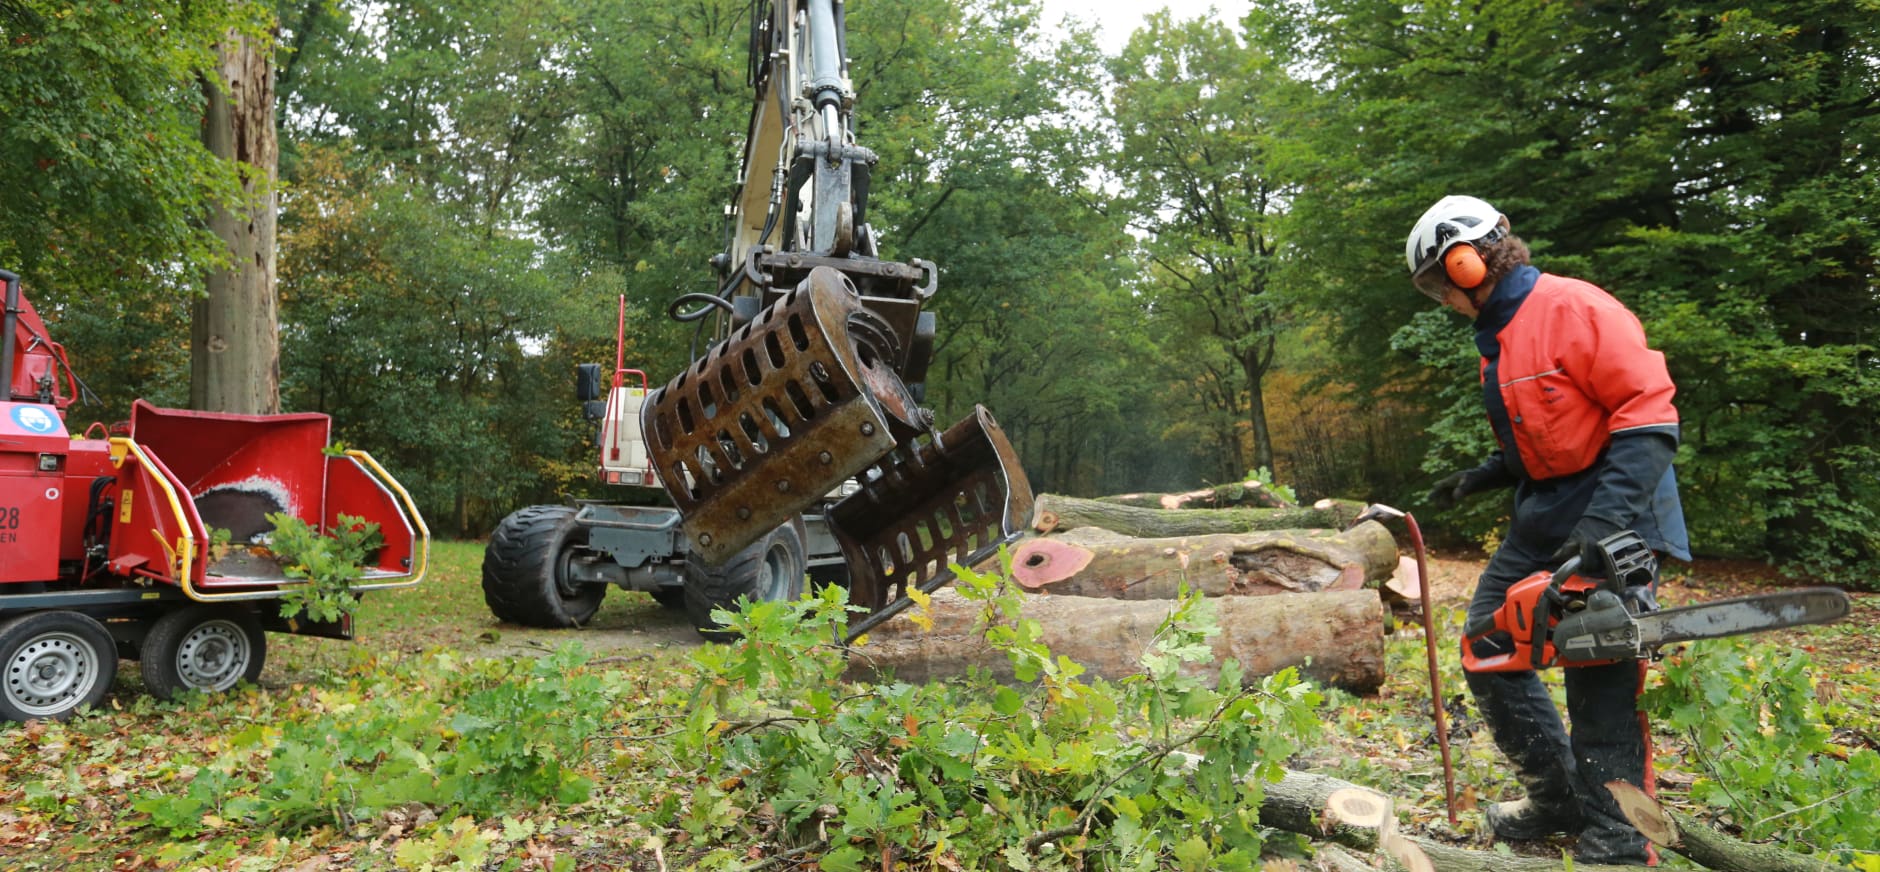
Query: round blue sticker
(34, 419)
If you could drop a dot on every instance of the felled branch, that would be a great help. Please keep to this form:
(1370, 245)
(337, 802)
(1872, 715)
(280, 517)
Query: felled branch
(1704, 845)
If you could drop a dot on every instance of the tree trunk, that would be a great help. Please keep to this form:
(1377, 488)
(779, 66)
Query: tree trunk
(1282, 561)
(234, 362)
(1057, 513)
(1255, 365)
(1240, 493)
(1335, 637)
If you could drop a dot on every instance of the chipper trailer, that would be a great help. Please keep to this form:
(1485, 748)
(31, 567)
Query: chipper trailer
(105, 536)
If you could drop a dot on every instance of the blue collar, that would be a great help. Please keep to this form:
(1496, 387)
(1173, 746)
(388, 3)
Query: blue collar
(1503, 302)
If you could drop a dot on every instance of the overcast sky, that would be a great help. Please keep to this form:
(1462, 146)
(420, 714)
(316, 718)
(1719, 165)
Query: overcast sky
(1116, 19)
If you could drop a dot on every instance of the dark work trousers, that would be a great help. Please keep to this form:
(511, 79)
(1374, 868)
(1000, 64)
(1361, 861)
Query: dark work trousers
(1610, 740)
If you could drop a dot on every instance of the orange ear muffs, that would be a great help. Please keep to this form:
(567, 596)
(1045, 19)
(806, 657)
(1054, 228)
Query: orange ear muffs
(1464, 265)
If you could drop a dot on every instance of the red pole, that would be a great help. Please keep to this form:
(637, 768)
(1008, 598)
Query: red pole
(1436, 678)
(1378, 511)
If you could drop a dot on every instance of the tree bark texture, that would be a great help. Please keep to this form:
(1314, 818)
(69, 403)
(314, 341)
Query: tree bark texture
(1057, 513)
(1280, 561)
(1341, 633)
(1241, 493)
(234, 362)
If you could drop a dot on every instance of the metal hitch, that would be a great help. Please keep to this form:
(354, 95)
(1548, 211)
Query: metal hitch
(954, 498)
(789, 407)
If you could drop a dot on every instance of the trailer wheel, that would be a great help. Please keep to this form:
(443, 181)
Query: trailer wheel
(53, 662)
(525, 571)
(204, 648)
(768, 570)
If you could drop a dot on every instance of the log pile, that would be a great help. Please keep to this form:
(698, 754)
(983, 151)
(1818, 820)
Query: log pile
(1291, 586)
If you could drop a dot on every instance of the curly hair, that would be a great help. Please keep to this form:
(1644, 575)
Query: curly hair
(1503, 256)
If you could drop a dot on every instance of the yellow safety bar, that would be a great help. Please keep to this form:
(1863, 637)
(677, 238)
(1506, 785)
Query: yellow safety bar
(183, 556)
(423, 561)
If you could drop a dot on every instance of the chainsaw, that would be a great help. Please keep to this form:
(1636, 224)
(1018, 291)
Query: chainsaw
(1566, 618)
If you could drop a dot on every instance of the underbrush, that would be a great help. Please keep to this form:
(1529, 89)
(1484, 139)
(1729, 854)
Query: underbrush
(759, 754)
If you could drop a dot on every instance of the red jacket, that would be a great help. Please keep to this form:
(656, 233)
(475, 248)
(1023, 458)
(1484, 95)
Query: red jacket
(1574, 369)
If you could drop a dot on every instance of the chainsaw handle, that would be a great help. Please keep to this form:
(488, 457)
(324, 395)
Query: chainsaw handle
(1482, 626)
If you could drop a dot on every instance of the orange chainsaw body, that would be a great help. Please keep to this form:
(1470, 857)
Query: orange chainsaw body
(1533, 608)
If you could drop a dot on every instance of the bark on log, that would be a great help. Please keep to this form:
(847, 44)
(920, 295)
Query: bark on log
(1341, 633)
(1294, 804)
(1240, 493)
(1286, 561)
(1333, 858)
(1057, 513)
(1703, 845)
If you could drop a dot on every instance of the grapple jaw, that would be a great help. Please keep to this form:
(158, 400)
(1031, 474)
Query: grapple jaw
(804, 398)
(930, 503)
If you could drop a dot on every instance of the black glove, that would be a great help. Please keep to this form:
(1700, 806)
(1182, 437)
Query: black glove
(1456, 485)
(1583, 543)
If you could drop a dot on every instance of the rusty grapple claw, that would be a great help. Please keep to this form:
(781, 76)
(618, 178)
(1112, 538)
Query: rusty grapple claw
(953, 498)
(804, 398)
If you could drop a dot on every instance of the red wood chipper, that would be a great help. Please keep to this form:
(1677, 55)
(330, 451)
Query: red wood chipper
(106, 536)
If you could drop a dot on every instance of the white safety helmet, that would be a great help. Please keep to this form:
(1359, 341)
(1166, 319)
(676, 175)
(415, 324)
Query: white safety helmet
(1454, 219)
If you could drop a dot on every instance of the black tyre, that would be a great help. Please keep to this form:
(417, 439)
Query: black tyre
(526, 570)
(770, 569)
(671, 597)
(52, 663)
(203, 647)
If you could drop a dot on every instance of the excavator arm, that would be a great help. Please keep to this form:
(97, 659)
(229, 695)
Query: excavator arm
(812, 385)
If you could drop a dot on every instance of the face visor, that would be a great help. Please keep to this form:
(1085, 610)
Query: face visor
(1432, 281)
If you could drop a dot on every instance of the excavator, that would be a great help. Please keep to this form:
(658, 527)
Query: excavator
(796, 442)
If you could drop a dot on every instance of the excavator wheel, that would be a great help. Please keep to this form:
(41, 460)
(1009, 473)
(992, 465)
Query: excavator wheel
(770, 569)
(525, 570)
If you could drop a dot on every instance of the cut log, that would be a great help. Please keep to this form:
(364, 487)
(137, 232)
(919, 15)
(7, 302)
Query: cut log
(1297, 802)
(1704, 845)
(1221, 496)
(1335, 637)
(1056, 513)
(1284, 561)
(1360, 808)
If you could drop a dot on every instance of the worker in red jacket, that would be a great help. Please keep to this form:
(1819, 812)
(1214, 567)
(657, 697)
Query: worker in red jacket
(1581, 409)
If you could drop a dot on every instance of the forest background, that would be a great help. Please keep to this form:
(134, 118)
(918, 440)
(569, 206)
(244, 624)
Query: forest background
(1164, 267)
